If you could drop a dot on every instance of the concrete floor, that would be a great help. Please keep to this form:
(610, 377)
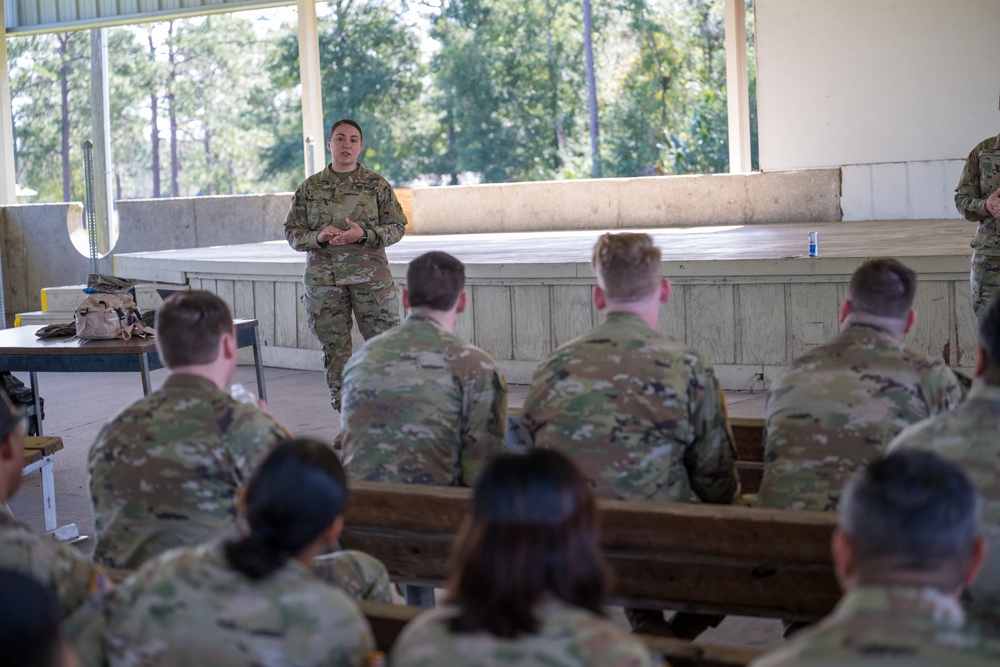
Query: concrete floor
(77, 405)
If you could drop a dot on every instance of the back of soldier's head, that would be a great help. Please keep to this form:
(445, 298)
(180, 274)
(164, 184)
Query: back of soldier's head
(883, 287)
(989, 337)
(911, 511)
(29, 623)
(627, 266)
(189, 325)
(434, 280)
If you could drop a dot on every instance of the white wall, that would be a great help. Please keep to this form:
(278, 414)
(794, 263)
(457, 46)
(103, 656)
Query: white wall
(895, 91)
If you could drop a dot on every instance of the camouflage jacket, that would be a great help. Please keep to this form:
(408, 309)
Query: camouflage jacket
(640, 413)
(420, 405)
(969, 437)
(837, 408)
(326, 199)
(164, 472)
(567, 637)
(65, 570)
(875, 625)
(189, 607)
(981, 178)
(358, 575)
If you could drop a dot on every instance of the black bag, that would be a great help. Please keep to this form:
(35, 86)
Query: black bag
(22, 397)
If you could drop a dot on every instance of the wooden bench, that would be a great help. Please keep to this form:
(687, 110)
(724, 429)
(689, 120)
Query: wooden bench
(39, 455)
(688, 557)
(388, 620)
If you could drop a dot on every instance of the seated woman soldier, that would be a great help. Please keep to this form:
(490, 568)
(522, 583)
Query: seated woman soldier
(528, 580)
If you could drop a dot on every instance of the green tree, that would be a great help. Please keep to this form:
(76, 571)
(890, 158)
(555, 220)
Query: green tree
(371, 72)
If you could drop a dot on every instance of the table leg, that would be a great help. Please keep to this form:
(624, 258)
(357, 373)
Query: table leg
(33, 381)
(258, 364)
(144, 371)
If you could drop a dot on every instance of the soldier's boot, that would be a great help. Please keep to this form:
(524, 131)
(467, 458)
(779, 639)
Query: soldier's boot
(648, 622)
(685, 625)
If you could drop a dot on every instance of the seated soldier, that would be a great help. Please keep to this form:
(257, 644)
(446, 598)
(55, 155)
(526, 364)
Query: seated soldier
(528, 580)
(29, 624)
(63, 569)
(840, 404)
(420, 405)
(969, 437)
(251, 600)
(164, 472)
(906, 547)
(640, 413)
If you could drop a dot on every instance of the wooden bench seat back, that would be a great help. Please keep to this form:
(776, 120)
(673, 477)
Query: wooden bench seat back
(710, 558)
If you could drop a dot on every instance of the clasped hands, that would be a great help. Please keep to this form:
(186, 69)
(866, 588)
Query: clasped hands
(993, 204)
(335, 236)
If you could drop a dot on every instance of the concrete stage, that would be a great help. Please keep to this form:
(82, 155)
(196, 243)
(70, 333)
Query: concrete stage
(747, 296)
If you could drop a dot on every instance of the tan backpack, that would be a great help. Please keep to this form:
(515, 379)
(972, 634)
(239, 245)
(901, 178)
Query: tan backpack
(108, 315)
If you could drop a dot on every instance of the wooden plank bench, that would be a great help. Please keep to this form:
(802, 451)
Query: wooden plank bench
(687, 557)
(387, 622)
(39, 455)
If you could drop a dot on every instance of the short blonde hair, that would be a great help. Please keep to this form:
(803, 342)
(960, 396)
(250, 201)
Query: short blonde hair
(627, 266)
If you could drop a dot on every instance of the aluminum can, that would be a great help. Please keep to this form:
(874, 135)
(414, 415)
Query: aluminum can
(814, 244)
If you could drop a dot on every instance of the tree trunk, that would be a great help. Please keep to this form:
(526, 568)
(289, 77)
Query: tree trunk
(175, 162)
(154, 132)
(63, 40)
(588, 47)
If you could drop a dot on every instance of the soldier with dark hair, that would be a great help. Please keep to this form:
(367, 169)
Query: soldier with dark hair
(250, 600)
(344, 217)
(839, 404)
(29, 624)
(906, 547)
(969, 437)
(977, 197)
(420, 404)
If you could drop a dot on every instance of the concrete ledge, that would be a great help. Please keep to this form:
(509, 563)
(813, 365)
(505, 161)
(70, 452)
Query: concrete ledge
(623, 203)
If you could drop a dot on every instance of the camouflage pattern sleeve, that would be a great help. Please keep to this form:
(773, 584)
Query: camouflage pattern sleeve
(69, 573)
(969, 201)
(391, 223)
(484, 411)
(252, 435)
(85, 629)
(711, 459)
(297, 230)
(360, 576)
(943, 389)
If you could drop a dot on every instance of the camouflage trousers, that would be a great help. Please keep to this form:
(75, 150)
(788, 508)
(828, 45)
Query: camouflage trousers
(329, 308)
(360, 576)
(985, 279)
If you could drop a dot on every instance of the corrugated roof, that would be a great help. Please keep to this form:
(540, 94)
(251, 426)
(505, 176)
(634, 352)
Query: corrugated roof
(25, 17)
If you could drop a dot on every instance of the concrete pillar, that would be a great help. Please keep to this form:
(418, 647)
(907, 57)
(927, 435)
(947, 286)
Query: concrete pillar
(101, 121)
(312, 91)
(8, 178)
(737, 87)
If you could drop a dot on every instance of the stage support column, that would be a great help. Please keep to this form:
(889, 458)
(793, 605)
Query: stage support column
(104, 199)
(314, 153)
(737, 87)
(8, 191)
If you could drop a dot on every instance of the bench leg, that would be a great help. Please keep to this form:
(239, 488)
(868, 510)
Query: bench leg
(49, 494)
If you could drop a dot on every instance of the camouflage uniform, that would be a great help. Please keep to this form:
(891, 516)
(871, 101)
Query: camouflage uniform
(164, 472)
(837, 408)
(339, 279)
(66, 571)
(875, 626)
(422, 406)
(567, 637)
(189, 607)
(640, 413)
(969, 437)
(981, 178)
(360, 576)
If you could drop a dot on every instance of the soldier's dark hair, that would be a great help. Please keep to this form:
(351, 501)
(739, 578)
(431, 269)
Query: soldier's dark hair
(883, 287)
(189, 325)
(532, 534)
(292, 497)
(346, 121)
(910, 511)
(29, 622)
(434, 280)
(627, 266)
(989, 338)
